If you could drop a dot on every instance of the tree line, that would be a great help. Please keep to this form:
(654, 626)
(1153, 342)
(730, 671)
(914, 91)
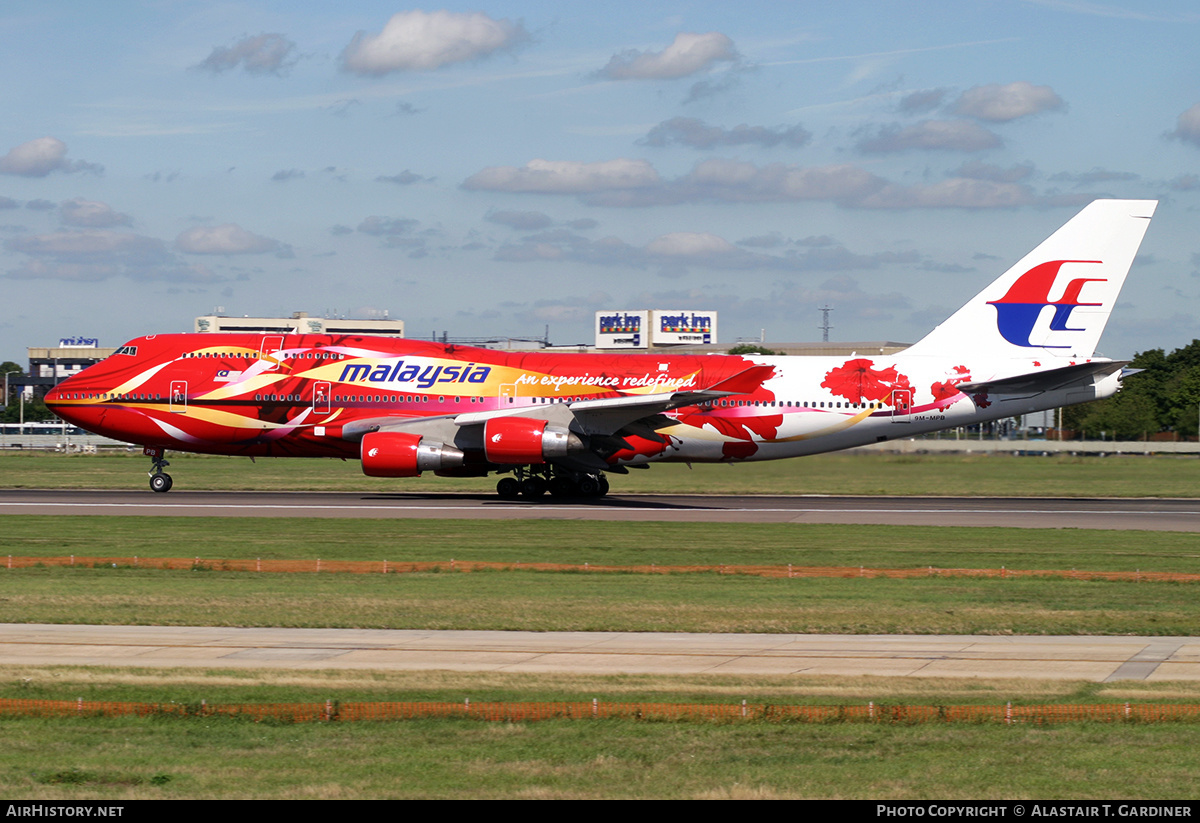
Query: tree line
(35, 409)
(1164, 397)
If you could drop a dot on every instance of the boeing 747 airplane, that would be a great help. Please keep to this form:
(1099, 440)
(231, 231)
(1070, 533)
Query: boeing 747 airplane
(558, 423)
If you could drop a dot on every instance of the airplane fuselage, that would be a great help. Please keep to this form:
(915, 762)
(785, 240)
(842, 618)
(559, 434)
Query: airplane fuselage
(300, 396)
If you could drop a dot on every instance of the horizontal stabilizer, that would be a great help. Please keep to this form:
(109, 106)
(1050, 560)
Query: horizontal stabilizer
(1043, 381)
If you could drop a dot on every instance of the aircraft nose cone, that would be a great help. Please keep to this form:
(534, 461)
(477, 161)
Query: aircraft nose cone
(53, 400)
(60, 401)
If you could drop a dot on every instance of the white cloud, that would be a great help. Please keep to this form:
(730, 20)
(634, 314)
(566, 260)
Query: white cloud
(381, 226)
(91, 214)
(262, 54)
(922, 101)
(688, 54)
(90, 256)
(1000, 104)
(1187, 127)
(932, 135)
(39, 157)
(955, 193)
(978, 170)
(404, 178)
(227, 238)
(529, 252)
(565, 177)
(672, 252)
(689, 244)
(418, 40)
(733, 180)
(1095, 177)
(87, 245)
(689, 131)
(519, 220)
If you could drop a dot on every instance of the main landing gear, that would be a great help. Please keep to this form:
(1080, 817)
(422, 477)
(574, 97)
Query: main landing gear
(532, 484)
(160, 481)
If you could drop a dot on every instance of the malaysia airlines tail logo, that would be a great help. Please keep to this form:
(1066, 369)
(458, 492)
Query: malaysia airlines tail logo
(1017, 311)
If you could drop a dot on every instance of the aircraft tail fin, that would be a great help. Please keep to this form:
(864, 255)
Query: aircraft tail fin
(1055, 302)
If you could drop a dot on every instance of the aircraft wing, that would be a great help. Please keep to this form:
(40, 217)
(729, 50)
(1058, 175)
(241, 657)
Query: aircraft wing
(589, 417)
(610, 415)
(1043, 381)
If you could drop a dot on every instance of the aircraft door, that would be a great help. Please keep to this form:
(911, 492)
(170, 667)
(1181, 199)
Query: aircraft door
(321, 400)
(269, 349)
(178, 402)
(508, 393)
(901, 405)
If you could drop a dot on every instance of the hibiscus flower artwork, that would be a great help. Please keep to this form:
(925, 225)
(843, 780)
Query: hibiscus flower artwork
(947, 390)
(742, 427)
(858, 380)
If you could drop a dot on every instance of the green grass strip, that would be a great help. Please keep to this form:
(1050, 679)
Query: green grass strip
(601, 543)
(998, 475)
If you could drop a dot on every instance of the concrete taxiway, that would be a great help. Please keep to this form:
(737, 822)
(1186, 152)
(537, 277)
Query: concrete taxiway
(1076, 658)
(1148, 514)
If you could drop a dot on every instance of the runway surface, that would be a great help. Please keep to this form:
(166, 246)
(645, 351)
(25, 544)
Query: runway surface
(1151, 514)
(1097, 659)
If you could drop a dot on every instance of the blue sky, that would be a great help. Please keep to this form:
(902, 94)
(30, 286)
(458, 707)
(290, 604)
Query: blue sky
(493, 169)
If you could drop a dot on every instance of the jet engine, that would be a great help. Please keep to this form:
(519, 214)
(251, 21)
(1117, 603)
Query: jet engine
(400, 454)
(520, 440)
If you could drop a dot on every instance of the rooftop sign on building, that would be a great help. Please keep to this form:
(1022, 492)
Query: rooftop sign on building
(654, 327)
(622, 329)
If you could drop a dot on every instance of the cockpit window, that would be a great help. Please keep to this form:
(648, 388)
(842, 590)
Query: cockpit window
(130, 350)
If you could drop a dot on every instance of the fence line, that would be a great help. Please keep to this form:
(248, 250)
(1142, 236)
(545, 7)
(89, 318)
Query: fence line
(335, 711)
(410, 567)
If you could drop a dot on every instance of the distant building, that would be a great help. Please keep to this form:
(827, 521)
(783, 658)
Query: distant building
(298, 323)
(49, 365)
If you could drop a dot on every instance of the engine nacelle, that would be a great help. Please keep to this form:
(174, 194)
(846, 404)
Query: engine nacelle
(518, 440)
(400, 454)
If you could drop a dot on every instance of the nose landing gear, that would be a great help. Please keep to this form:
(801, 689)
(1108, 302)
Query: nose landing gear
(160, 481)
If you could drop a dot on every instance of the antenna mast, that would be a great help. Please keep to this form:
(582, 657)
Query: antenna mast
(825, 327)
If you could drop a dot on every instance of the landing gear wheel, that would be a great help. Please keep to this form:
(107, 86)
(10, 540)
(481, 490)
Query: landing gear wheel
(533, 488)
(588, 486)
(508, 488)
(160, 481)
(603, 486)
(561, 486)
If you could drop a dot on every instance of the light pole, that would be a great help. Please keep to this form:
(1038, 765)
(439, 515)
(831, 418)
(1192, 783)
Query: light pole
(5, 405)
(6, 374)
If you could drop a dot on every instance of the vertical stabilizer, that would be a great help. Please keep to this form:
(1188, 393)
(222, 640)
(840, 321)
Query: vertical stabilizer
(1054, 303)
